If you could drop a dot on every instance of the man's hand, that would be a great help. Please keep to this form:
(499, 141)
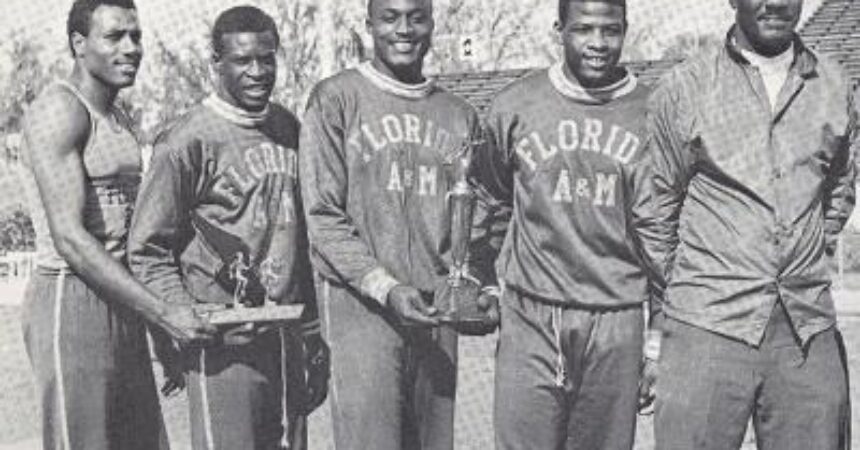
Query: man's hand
(488, 303)
(650, 370)
(410, 308)
(317, 367)
(185, 326)
(172, 362)
(244, 334)
(647, 383)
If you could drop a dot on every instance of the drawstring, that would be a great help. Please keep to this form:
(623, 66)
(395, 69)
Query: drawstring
(560, 368)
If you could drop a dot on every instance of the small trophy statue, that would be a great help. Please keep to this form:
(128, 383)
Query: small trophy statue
(457, 295)
(248, 310)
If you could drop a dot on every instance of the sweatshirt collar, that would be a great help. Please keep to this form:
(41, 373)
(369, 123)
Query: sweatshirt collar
(235, 114)
(595, 96)
(392, 86)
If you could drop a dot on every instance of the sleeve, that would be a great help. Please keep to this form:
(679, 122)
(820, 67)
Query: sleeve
(839, 197)
(161, 228)
(491, 176)
(337, 248)
(662, 177)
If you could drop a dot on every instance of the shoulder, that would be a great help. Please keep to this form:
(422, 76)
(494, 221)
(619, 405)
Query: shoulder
(339, 85)
(532, 85)
(196, 125)
(453, 102)
(59, 116)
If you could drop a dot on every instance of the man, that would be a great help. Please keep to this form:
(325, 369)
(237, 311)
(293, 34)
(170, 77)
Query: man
(380, 150)
(562, 145)
(84, 315)
(753, 178)
(218, 220)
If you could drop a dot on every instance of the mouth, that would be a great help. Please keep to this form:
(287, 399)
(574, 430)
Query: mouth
(404, 46)
(596, 62)
(775, 21)
(258, 90)
(128, 67)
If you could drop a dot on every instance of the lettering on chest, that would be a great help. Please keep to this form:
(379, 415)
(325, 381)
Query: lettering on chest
(587, 135)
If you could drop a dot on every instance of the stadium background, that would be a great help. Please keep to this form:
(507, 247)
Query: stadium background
(321, 37)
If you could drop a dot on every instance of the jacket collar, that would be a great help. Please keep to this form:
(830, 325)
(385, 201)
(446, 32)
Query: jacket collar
(805, 62)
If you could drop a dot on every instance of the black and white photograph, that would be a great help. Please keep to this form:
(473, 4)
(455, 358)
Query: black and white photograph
(429, 224)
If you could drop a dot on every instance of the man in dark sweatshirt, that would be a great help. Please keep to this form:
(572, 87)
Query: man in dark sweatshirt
(562, 155)
(219, 220)
(380, 151)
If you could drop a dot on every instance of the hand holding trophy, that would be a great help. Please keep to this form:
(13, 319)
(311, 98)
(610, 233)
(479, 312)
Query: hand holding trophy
(246, 308)
(461, 302)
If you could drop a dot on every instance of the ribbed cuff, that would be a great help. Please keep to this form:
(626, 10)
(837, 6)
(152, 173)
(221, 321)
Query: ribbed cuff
(495, 291)
(312, 327)
(377, 284)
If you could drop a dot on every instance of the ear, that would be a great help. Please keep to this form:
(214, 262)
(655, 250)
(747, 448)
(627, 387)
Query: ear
(79, 43)
(557, 28)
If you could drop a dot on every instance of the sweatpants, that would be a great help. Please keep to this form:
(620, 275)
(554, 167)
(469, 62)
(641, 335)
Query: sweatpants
(710, 385)
(566, 377)
(248, 396)
(92, 368)
(392, 387)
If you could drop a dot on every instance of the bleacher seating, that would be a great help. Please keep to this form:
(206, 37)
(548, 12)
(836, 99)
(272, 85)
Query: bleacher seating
(834, 29)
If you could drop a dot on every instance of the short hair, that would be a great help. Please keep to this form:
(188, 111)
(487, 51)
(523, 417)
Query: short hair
(564, 7)
(81, 14)
(370, 6)
(241, 19)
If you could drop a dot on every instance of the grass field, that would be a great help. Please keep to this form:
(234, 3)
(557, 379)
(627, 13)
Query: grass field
(19, 415)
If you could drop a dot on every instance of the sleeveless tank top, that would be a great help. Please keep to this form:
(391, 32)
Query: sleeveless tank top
(112, 166)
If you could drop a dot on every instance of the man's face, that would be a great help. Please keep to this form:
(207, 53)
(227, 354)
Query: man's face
(593, 35)
(767, 25)
(111, 52)
(402, 31)
(247, 68)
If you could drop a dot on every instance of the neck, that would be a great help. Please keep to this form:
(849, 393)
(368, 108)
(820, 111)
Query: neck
(615, 75)
(743, 42)
(97, 93)
(410, 75)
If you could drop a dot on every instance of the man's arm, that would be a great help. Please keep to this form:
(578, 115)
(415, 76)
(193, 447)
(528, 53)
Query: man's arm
(661, 178)
(56, 132)
(161, 228)
(839, 197)
(340, 252)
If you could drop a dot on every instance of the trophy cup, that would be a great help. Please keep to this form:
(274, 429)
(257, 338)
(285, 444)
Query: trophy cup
(457, 295)
(245, 310)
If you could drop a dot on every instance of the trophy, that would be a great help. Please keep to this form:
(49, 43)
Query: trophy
(456, 297)
(243, 308)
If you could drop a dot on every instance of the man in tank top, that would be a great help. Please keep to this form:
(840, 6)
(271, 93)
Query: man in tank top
(85, 316)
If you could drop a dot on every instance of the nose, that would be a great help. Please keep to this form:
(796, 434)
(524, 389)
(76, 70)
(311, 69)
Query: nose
(403, 26)
(131, 46)
(255, 69)
(597, 40)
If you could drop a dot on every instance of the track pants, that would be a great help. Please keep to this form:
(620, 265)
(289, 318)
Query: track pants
(392, 387)
(92, 368)
(710, 385)
(566, 378)
(249, 396)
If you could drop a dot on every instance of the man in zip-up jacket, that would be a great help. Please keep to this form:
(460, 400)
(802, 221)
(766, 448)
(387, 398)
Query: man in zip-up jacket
(753, 178)
(380, 150)
(219, 220)
(564, 147)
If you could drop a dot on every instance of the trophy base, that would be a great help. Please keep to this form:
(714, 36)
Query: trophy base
(477, 324)
(279, 315)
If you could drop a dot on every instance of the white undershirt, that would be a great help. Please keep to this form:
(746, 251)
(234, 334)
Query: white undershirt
(773, 70)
